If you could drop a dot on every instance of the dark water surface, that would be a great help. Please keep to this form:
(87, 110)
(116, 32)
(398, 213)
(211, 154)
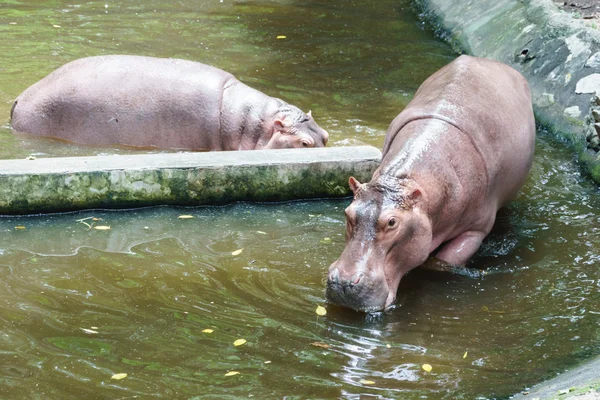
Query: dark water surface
(78, 305)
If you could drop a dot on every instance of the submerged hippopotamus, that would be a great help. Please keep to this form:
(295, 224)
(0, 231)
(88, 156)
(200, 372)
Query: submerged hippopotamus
(156, 102)
(459, 151)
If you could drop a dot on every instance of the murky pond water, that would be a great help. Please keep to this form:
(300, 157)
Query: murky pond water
(78, 305)
(355, 64)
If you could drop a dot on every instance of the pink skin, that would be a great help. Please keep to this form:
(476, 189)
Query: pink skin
(287, 135)
(164, 103)
(450, 161)
(381, 249)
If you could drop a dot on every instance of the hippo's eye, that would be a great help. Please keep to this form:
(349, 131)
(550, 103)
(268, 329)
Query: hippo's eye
(305, 143)
(391, 222)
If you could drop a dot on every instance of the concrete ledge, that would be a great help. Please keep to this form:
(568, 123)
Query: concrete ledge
(558, 54)
(578, 384)
(64, 184)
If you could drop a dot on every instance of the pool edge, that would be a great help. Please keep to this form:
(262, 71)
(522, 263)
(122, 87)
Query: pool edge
(214, 178)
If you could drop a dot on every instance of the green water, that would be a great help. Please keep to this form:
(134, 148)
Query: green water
(354, 64)
(78, 305)
(147, 288)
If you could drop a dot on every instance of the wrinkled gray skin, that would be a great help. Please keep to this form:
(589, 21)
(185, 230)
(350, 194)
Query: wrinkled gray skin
(156, 102)
(459, 151)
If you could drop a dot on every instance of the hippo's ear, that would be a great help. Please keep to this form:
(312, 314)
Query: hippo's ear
(281, 124)
(414, 196)
(354, 184)
(309, 113)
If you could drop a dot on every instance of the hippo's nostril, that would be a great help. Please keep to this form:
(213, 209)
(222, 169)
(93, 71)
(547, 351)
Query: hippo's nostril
(356, 278)
(334, 276)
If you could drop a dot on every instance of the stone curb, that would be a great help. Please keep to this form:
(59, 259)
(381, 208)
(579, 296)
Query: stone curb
(211, 178)
(577, 384)
(558, 54)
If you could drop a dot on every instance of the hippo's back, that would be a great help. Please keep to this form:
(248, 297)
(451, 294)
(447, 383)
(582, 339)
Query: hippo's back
(489, 102)
(129, 100)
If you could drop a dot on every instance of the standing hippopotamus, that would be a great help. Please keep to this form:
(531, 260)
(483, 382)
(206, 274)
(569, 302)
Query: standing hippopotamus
(156, 102)
(459, 151)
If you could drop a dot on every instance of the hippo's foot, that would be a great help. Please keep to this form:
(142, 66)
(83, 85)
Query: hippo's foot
(435, 264)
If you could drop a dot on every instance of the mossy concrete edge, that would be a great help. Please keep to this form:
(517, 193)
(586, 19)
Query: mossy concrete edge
(213, 178)
(557, 53)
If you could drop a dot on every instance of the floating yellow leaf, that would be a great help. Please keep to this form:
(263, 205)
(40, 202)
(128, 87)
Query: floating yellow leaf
(119, 376)
(232, 373)
(96, 219)
(185, 217)
(93, 327)
(267, 362)
(486, 309)
(465, 355)
(89, 330)
(56, 26)
(237, 252)
(207, 330)
(261, 232)
(426, 367)
(321, 311)
(20, 227)
(366, 382)
(102, 227)
(281, 37)
(389, 346)
(12, 23)
(320, 344)
(239, 342)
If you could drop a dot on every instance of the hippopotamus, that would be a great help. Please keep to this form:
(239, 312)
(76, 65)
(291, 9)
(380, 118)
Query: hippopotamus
(157, 102)
(459, 151)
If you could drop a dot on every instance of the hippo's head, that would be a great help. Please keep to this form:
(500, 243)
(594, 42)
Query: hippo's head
(293, 128)
(387, 234)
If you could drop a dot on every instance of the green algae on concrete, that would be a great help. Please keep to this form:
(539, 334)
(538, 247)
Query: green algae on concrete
(65, 184)
(557, 53)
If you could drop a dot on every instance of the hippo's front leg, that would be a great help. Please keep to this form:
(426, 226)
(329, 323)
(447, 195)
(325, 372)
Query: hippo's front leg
(460, 249)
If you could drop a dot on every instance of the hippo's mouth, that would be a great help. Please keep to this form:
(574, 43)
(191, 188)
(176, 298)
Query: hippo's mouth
(359, 298)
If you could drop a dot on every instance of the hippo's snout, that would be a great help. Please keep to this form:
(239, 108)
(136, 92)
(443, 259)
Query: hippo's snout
(334, 278)
(357, 291)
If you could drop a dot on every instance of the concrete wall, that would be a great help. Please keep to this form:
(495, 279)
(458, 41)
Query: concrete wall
(64, 184)
(558, 54)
